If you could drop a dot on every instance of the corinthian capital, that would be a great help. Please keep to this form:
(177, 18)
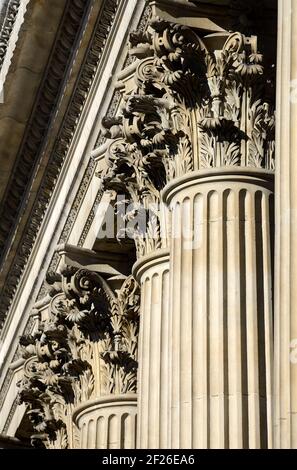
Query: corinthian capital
(198, 102)
(86, 346)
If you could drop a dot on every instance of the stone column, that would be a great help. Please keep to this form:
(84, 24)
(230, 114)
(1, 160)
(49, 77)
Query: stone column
(286, 232)
(152, 272)
(107, 422)
(220, 324)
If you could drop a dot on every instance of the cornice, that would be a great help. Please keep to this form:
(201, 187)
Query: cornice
(40, 121)
(88, 175)
(11, 11)
(73, 21)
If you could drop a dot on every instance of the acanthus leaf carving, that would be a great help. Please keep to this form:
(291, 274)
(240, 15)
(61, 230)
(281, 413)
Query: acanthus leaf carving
(87, 346)
(198, 102)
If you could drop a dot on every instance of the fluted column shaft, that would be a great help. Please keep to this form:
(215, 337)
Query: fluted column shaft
(220, 321)
(153, 274)
(285, 405)
(108, 422)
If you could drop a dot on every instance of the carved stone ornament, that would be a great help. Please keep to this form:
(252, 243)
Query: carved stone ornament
(198, 103)
(85, 349)
(11, 11)
(73, 21)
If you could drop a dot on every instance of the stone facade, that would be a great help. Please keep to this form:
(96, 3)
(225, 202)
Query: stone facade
(146, 296)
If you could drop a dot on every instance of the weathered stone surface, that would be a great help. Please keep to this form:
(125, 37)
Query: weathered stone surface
(183, 349)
